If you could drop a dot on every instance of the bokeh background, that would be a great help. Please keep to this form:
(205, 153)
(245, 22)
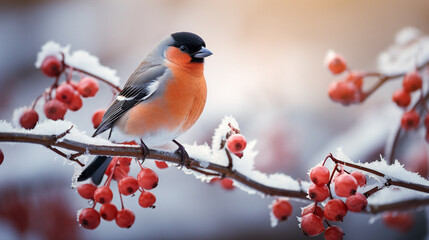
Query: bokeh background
(267, 71)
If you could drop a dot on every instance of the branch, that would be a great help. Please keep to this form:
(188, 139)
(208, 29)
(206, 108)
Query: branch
(51, 141)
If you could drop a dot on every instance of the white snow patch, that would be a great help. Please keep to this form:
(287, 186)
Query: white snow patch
(79, 59)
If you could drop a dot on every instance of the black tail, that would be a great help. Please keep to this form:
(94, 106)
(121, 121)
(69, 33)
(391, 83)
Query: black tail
(95, 170)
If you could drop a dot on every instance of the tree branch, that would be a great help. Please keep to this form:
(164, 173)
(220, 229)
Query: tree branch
(51, 141)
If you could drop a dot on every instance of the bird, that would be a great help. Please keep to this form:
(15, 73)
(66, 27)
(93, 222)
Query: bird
(161, 100)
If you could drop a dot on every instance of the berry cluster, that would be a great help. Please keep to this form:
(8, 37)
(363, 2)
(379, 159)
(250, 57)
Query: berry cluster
(60, 98)
(335, 209)
(118, 170)
(348, 89)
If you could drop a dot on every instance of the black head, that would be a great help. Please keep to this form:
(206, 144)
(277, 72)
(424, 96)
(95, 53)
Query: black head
(191, 44)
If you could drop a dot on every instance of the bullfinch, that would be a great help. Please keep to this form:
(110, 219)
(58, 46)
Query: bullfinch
(162, 99)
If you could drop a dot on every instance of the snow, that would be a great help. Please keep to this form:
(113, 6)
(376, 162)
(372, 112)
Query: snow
(50, 127)
(79, 59)
(244, 165)
(411, 48)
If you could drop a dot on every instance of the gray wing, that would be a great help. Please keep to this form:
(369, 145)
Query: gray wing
(141, 85)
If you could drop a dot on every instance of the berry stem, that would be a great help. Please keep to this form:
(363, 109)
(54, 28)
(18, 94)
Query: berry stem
(120, 196)
(116, 88)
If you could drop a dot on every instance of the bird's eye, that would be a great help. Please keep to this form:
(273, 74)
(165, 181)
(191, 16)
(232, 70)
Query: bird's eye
(183, 48)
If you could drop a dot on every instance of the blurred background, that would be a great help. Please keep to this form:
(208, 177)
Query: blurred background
(267, 71)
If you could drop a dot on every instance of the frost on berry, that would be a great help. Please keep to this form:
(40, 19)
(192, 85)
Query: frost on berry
(335, 210)
(335, 63)
(360, 178)
(412, 81)
(356, 203)
(312, 208)
(333, 233)
(128, 185)
(75, 102)
(236, 143)
(319, 175)
(52, 66)
(103, 195)
(87, 190)
(55, 109)
(125, 218)
(345, 185)
(147, 199)
(87, 87)
(281, 209)
(147, 179)
(410, 120)
(29, 119)
(97, 117)
(89, 218)
(312, 225)
(356, 78)
(64, 93)
(227, 183)
(401, 97)
(108, 211)
(402, 221)
(318, 193)
(344, 92)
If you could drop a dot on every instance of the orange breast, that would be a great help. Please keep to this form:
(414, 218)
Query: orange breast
(178, 109)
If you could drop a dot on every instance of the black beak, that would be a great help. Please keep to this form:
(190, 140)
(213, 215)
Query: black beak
(202, 53)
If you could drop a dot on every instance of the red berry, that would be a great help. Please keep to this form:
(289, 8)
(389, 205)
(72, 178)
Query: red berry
(356, 203)
(227, 183)
(124, 161)
(215, 179)
(161, 164)
(401, 97)
(336, 64)
(355, 78)
(1, 156)
(401, 221)
(52, 66)
(319, 175)
(282, 209)
(345, 185)
(318, 193)
(147, 179)
(344, 92)
(64, 93)
(28, 119)
(128, 185)
(335, 210)
(312, 225)
(410, 120)
(310, 209)
(75, 103)
(73, 84)
(125, 218)
(360, 178)
(333, 233)
(412, 81)
(87, 87)
(55, 109)
(108, 211)
(87, 190)
(120, 171)
(103, 195)
(236, 143)
(89, 218)
(97, 117)
(147, 199)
